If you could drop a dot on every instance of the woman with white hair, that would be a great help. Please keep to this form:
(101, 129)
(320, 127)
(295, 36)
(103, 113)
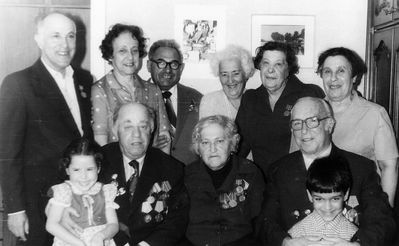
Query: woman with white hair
(225, 190)
(234, 66)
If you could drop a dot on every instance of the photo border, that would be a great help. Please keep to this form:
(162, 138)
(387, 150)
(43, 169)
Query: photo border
(305, 60)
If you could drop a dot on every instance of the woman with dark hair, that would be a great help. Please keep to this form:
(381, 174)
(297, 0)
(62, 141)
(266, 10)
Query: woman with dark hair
(124, 48)
(361, 126)
(264, 113)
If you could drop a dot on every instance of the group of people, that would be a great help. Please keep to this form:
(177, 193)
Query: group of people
(128, 161)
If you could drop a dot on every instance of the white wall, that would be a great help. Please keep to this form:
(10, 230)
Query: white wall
(337, 23)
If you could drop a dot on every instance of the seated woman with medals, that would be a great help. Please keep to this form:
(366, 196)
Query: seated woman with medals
(226, 191)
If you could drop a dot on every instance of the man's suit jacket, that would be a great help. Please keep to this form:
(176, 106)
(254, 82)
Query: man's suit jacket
(157, 168)
(287, 201)
(36, 125)
(188, 100)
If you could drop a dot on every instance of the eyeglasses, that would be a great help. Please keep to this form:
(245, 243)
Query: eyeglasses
(311, 122)
(161, 64)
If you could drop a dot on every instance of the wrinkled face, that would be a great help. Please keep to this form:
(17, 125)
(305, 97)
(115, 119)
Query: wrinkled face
(328, 205)
(134, 130)
(315, 140)
(56, 39)
(337, 78)
(125, 57)
(232, 77)
(214, 146)
(83, 171)
(273, 70)
(166, 77)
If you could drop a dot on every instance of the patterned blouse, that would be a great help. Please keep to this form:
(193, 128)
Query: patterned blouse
(108, 94)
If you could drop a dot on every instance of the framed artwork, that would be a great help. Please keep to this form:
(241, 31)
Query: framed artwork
(298, 31)
(201, 31)
(382, 11)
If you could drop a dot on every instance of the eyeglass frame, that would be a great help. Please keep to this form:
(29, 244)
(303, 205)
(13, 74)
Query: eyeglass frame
(306, 122)
(159, 61)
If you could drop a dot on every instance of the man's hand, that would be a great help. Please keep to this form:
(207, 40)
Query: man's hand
(300, 241)
(68, 223)
(339, 242)
(163, 142)
(18, 224)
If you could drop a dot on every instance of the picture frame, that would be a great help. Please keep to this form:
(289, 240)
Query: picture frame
(293, 29)
(201, 31)
(382, 11)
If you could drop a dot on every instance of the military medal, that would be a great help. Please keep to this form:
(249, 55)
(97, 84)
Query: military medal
(232, 203)
(147, 218)
(241, 198)
(159, 206)
(151, 199)
(158, 217)
(239, 189)
(146, 207)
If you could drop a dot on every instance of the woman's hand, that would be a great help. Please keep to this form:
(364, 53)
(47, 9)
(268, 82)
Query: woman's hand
(97, 239)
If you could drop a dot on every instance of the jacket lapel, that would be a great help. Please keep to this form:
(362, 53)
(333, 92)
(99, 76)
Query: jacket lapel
(46, 88)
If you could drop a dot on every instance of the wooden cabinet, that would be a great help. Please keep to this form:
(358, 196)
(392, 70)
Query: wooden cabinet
(383, 62)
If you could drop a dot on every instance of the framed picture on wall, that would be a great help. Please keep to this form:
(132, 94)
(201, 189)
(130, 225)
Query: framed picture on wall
(298, 31)
(201, 31)
(383, 10)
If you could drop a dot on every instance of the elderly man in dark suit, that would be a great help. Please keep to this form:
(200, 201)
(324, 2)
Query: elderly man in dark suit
(152, 198)
(166, 65)
(42, 109)
(286, 199)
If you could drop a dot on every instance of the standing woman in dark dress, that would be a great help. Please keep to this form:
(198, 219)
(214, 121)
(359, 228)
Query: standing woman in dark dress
(264, 113)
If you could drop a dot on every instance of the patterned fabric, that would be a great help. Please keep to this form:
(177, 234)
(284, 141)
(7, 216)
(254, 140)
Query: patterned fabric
(108, 94)
(86, 236)
(90, 205)
(314, 225)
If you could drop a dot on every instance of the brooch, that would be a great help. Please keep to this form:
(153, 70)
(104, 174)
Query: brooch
(121, 190)
(82, 92)
(192, 106)
(288, 109)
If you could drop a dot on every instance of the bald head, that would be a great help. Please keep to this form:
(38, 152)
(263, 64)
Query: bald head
(56, 38)
(134, 124)
(318, 106)
(315, 117)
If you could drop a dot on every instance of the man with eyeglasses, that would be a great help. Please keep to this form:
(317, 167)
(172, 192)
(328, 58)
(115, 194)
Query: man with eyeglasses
(287, 202)
(166, 65)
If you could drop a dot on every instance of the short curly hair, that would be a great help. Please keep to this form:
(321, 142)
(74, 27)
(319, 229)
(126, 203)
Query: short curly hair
(358, 66)
(136, 32)
(231, 52)
(290, 56)
(225, 122)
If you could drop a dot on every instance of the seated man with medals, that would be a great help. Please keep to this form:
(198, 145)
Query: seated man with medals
(225, 190)
(151, 195)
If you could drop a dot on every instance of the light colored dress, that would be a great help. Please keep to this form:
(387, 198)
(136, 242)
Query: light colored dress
(90, 205)
(314, 225)
(108, 94)
(217, 103)
(365, 129)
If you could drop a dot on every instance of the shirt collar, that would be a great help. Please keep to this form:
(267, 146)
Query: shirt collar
(140, 160)
(309, 159)
(57, 74)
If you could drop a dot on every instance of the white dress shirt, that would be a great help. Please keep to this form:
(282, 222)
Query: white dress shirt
(67, 87)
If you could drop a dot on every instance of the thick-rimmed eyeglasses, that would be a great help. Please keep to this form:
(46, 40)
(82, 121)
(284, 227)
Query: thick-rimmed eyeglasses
(311, 122)
(161, 64)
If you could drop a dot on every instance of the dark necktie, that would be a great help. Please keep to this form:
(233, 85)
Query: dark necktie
(169, 107)
(132, 182)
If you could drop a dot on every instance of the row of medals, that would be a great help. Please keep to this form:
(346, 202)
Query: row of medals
(230, 200)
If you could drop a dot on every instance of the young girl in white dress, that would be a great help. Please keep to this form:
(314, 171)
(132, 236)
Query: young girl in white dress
(93, 200)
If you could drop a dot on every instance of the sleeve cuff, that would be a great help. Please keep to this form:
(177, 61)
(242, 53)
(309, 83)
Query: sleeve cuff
(19, 212)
